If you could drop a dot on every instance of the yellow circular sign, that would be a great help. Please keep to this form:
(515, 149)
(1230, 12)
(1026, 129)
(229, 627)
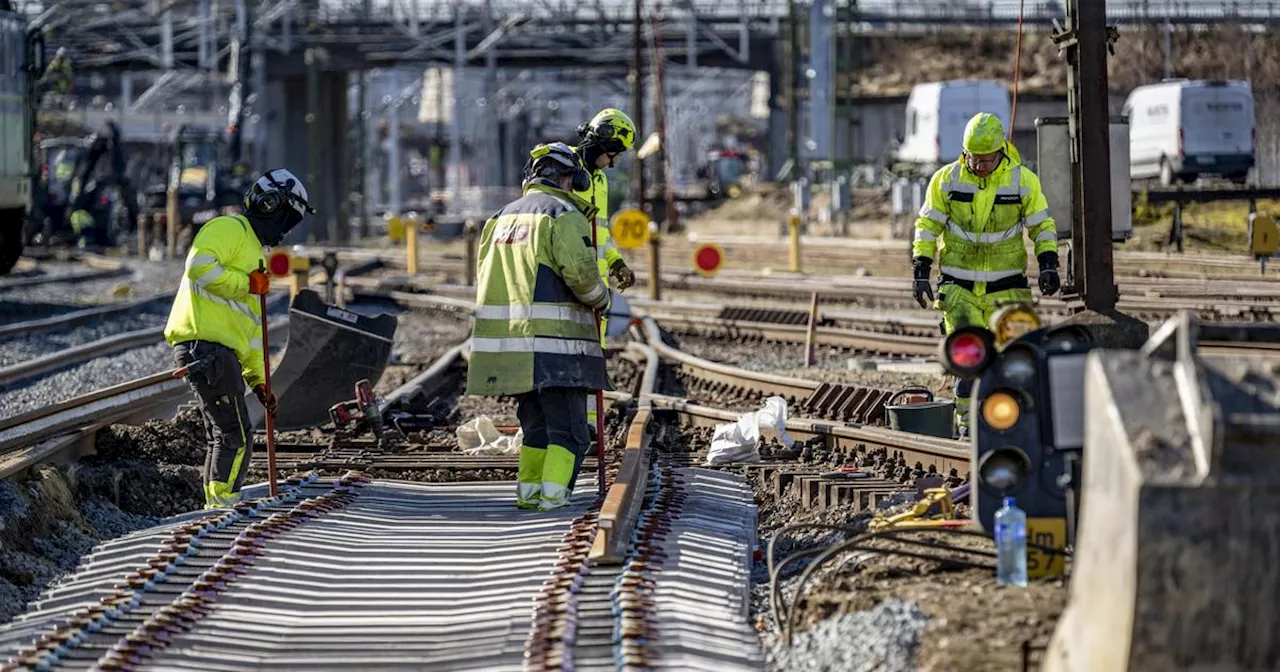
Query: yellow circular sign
(630, 229)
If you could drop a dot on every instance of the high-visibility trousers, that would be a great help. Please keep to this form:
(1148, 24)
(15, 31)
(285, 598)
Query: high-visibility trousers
(220, 389)
(963, 307)
(555, 445)
(591, 397)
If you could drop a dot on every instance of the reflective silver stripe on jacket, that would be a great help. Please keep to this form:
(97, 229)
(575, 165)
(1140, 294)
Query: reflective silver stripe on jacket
(578, 314)
(538, 344)
(977, 276)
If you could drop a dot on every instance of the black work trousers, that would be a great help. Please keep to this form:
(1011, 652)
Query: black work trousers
(218, 384)
(556, 416)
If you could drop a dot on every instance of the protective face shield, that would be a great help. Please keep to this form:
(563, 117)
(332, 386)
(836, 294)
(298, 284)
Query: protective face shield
(275, 204)
(551, 161)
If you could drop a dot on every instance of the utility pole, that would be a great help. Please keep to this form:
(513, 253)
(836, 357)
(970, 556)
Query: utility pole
(637, 97)
(792, 73)
(1086, 42)
(664, 163)
(362, 138)
(1087, 39)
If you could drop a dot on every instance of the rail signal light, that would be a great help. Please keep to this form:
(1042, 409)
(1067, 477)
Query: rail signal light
(707, 259)
(279, 263)
(966, 352)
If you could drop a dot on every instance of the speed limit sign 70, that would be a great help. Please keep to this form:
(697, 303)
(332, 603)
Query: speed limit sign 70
(630, 229)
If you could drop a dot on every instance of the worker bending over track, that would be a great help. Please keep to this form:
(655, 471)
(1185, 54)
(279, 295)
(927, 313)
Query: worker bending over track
(973, 217)
(608, 134)
(215, 326)
(535, 333)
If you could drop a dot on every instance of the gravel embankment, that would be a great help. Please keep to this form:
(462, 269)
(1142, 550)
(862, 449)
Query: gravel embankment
(24, 347)
(57, 298)
(95, 374)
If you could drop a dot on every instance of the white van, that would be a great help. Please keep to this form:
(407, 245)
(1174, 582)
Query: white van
(1182, 129)
(937, 113)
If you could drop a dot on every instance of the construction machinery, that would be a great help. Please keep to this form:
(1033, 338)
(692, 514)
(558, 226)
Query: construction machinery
(204, 177)
(84, 193)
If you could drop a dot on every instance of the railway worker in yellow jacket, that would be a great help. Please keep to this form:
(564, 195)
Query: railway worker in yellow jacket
(608, 134)
(973, 219)
(535, 331)
(215, 323)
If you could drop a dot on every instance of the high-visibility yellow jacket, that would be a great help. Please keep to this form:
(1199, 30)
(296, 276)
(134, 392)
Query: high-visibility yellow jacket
(535, 293)
(598, 196)
(213, 302)
(980, 221)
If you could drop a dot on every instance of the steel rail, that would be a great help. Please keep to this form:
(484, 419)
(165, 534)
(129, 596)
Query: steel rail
(76, 318)
(24, 435)
(75, 355)
(622, 501)
(70, 276)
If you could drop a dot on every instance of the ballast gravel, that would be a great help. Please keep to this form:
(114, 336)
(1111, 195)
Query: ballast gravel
(56, 298)
(84, 378)
(881, 639)
(26, 347)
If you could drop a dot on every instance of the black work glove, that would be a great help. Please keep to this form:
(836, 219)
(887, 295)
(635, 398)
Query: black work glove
(622, 275)
(267, 398)
(1050, 282)
(920, 269)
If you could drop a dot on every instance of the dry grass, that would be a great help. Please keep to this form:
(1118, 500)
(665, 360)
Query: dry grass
(892, 65)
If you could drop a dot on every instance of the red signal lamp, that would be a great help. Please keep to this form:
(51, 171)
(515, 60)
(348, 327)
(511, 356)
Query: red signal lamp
(967, 351)
(279, 263)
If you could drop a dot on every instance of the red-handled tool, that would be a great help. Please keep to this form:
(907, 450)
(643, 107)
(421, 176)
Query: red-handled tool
(266, 383)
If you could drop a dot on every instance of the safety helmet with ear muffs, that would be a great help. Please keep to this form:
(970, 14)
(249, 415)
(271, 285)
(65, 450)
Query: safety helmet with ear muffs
(278, 188)
(553, 160)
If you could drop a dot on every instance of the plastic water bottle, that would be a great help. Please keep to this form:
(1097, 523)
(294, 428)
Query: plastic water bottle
(1011, 545)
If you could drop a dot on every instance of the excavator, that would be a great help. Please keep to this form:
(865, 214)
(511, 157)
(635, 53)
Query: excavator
(84, 195)
(206, 177)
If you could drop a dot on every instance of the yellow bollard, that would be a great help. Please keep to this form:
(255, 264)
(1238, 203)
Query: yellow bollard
(794, 225)
(395, 227)
(411, 246)
(299, 274)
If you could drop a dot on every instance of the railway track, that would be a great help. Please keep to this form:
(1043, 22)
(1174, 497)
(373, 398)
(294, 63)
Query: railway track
(55, 432)
(447, 573)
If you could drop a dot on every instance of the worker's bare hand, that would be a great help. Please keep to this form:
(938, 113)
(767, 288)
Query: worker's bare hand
(268, 399)
(259, 283)
(622, 275)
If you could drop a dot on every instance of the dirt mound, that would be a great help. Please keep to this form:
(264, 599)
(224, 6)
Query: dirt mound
(180, 441)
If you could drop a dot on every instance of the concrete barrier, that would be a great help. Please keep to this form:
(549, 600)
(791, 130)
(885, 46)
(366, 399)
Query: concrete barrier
(1177, 562)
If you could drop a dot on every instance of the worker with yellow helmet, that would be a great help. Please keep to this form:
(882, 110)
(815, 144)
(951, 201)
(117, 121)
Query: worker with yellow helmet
(610, 133)
(973, 219)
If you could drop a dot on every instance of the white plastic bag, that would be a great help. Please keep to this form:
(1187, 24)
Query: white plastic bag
(480, 437)
(740, 441)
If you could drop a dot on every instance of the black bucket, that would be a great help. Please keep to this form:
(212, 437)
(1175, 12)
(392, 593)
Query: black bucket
(915, 410)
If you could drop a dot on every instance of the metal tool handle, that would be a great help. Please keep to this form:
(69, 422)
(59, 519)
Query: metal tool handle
(266, 384)
(910, 390)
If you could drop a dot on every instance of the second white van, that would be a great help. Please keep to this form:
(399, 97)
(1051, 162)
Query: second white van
(1180, 130)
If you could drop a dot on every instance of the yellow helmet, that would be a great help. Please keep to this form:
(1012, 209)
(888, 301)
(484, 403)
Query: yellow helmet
(984, 134)
(611, 128)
